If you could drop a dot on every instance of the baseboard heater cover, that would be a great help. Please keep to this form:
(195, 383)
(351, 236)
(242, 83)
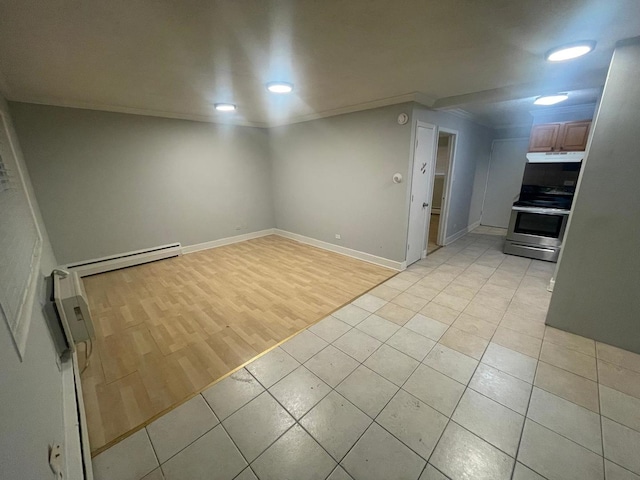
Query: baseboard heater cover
(123, 260)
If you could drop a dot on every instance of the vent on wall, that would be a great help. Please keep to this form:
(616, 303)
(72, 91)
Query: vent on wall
(122, 260)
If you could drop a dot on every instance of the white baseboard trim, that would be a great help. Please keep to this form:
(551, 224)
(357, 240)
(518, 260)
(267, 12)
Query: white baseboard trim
(123, 260)
(76, 449)
(367, 257)
(227, 241)
(91, 267)
(552, 283)
(461, 233)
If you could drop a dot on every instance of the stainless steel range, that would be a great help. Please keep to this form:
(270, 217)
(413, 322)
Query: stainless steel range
(539, 218)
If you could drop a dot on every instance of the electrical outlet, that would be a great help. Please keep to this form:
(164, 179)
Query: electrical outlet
(338, 237)
(55, 460)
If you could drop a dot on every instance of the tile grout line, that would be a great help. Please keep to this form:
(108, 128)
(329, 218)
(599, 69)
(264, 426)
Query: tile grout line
(467, 385)
(373, 420)
(479, 361)
(393, 396)
(604, 462)
(228, 435)
(154, 453)
(334, 388)
(524, 420)
(523, 425)
(227, 432)
(463, 392)
(297, 422)
(199, 436)
(419, 362)
(249, 463)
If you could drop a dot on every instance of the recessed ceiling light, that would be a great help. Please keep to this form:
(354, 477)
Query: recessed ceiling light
(567, 52)
(225, 107)
(551, 99)
(280, 87)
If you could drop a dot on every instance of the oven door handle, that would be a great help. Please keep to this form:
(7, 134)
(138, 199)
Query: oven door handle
(541, 211)
(535, 249)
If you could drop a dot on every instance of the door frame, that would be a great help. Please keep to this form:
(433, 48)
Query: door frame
(448, 184)
(431, 176)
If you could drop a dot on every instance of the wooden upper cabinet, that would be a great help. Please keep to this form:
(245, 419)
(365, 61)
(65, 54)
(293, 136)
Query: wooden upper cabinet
(574, 136)
(544, 137)
(559, 137)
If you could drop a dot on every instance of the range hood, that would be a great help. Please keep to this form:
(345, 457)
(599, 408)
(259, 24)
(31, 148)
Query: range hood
(554, 157)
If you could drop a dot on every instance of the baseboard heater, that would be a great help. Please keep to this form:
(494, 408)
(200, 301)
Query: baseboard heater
(123, 260)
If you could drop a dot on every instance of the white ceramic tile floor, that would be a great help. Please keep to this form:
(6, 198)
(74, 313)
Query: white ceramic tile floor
(181, 426)
(299, 391)
(443, 393)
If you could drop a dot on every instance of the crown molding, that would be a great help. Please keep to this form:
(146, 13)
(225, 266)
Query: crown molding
(57, 102)
(459, 112)
(417, 97)
(61, 102)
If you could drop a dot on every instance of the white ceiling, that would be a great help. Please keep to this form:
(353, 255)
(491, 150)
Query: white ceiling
(519, 112)
(176, 58)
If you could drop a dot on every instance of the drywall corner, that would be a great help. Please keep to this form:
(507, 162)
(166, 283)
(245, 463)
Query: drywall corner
(598, 277)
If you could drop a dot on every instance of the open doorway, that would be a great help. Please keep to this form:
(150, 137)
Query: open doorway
(424, 155)
(432, 171)
(444, 160)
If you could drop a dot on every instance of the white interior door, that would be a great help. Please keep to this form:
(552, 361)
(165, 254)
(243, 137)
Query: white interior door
(421, 185)
(508, 158)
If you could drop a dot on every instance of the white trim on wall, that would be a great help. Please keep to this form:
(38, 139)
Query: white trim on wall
(367, 257)
(76, 448)
(417, 97)
(19, 326)
(128, 259)
(461, 233)
(123, 260)
(431, 178)
(227, 241)
(448, 183)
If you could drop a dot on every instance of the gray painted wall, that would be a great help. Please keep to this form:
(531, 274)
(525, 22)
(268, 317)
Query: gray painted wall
(110, 183)
(598, 279)
(470, 167)
(30, 391)
(506, 169)
(334, 176)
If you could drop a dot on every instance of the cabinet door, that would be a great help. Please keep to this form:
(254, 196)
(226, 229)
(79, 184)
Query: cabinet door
(574, 136)
(544, 137)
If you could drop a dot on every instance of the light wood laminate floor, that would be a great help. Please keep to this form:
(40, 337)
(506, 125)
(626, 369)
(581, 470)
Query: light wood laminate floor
(168, 329)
